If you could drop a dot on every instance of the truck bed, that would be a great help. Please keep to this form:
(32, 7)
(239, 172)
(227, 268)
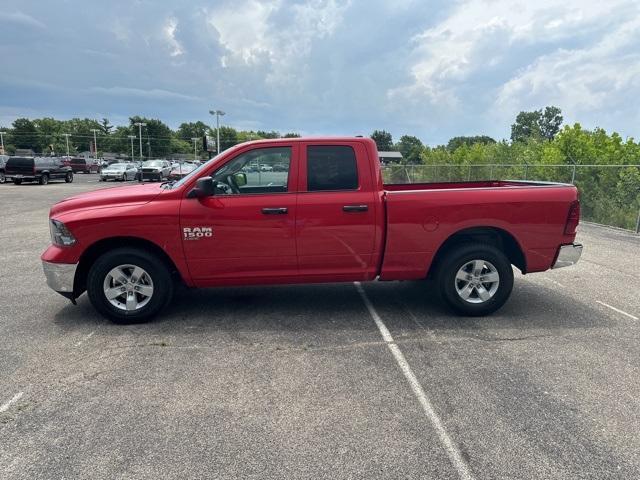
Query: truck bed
(422, 216)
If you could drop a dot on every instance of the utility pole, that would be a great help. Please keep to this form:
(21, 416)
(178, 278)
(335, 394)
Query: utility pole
(95, 142)
(2, 140)
(195, 148)
(66, 136)
(132, 138)
(218, 114)
(140, 125)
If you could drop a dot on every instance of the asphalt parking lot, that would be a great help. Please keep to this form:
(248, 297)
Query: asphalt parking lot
(304, 382)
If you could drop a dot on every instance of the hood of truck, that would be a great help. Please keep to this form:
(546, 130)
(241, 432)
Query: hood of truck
(108, 197)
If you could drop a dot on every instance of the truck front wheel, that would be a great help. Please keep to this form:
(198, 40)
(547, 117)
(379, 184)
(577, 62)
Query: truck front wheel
(475, 279)
(128, 285)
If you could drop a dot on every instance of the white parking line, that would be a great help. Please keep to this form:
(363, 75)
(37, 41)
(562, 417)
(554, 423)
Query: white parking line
(455, 456)
(85, 339)
(617, 310)
(5, 406)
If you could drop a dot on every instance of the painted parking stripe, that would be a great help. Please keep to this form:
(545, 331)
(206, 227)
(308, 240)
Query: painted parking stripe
(5, 406)
(617, 310)
(455, 456)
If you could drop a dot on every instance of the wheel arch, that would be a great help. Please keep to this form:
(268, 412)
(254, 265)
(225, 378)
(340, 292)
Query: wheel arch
(94, 251)
(500, 238)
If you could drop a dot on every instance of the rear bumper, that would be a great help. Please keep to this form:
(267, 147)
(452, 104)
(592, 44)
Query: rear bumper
(60, 276)
(568, 255)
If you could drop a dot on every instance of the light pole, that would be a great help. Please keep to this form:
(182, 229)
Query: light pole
(95, 142)
(132, 138)
(218, 114)
(66, 137)
(140, 125)
(195, 148)
(2, 134)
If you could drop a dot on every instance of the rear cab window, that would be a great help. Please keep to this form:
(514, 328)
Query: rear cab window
(331, 168)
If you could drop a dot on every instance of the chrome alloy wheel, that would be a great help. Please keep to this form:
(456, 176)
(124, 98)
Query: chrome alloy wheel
(477, 281)
(128, 287)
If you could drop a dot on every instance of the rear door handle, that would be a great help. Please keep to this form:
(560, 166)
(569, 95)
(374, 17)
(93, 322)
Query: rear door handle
(355, 208)
(275, 211)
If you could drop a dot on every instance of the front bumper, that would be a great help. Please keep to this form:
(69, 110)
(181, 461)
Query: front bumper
(568, 255)
(111, 176)
(151, 176)
(60, 276)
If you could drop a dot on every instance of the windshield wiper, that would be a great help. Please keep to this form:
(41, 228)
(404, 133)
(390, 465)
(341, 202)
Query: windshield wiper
(169, 183)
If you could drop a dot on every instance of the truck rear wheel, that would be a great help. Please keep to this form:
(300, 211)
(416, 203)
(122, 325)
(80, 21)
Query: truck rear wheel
(128, 285)
(475, 279)
(44, 179)
(68, 178)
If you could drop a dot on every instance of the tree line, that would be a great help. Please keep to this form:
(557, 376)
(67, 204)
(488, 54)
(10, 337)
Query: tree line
(46, 135)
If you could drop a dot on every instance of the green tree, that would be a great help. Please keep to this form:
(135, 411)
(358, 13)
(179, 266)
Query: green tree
(271, 134)
(411, 148)
(383, 139)
(24, 134)
(188, 130)
(526, 126)
(291, 135)
(156, 136)
(538, 124)
(550, 122)
(105, 126)
(228, 137)
(456, 142)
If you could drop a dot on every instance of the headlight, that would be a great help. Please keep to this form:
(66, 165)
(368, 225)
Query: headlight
(60, 235)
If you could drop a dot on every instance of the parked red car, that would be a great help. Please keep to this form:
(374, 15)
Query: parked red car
(81, 164)
(327, 217)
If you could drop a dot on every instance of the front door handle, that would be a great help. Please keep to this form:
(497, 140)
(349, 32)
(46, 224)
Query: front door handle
(355, 208)
(275, 211)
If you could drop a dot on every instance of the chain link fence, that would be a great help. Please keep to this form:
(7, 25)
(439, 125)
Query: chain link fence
(609, 194)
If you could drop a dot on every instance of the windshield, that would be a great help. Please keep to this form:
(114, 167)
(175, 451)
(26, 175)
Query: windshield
(152, 163)
(116, 166)
(196, 171)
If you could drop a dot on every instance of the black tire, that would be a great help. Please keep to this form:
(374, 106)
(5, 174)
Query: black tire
(68, 178)
(2, 178)
(156, 269)
(44, 179)
(17, 181)
(459, 256)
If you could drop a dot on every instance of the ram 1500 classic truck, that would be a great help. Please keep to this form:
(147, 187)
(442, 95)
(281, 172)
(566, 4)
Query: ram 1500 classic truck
(305, 210)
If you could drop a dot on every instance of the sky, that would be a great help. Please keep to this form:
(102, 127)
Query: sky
(430, 68)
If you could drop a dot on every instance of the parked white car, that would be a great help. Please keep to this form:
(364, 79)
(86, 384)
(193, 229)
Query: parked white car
(119, 171)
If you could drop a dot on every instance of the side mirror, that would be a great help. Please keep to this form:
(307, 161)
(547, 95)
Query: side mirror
(205, 187)
(240, 178)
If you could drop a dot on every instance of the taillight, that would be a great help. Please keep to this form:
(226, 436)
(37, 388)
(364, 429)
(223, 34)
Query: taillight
(572, 219)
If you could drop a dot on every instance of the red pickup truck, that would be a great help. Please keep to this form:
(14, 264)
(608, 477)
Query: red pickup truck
(305, 210)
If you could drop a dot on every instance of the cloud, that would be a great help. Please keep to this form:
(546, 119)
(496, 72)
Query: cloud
(170, 28)
(153, 94)
(21, 19)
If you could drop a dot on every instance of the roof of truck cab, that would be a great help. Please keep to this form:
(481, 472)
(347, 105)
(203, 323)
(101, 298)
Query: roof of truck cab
(309, 139)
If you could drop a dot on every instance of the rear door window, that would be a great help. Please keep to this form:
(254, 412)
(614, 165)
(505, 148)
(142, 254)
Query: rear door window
(331, 168)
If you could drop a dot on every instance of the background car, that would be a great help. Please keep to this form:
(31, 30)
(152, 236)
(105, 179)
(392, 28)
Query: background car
(155, 170)
(37, 169)
(81, 164)
(181, 170)
(119, 171)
